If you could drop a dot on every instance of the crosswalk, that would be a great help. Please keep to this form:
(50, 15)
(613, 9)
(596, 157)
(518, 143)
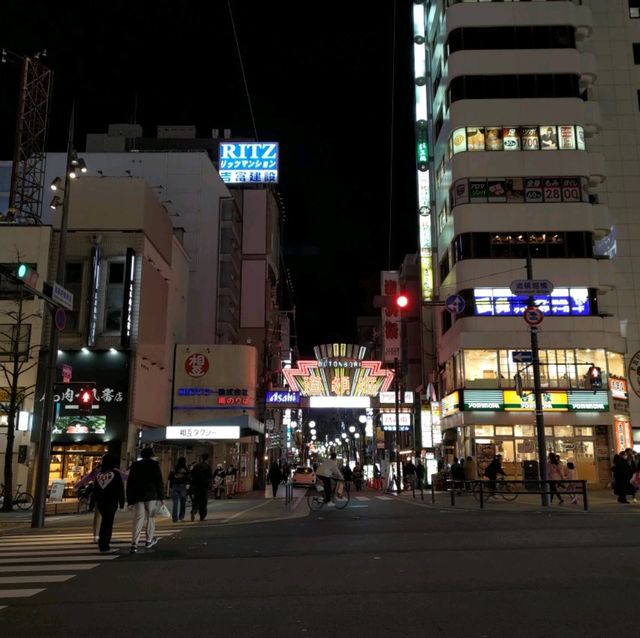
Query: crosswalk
(30, 562)
(379, 497)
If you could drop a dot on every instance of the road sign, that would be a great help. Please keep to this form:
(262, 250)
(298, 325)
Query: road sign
(60, 319)
(455, 304)
(62, 296)
(525, 356)
(531, 287)
(533, 316)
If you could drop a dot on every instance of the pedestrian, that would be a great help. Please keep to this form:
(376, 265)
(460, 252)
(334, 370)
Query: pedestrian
(492, 470)
(347, 472)
(470, 472)
(275, 477)
(230, 481)
(145, 494)
(621, 477)
(108, 494)
(178, 484)
(457, 475)
(200, 486)
(218, 481)
(357, 475)
(632, 462)
(571, 475)
(327, 472)
(410, 474)
(420, 474)
(555, 474)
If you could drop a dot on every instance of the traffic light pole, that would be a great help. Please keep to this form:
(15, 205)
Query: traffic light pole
(46, 420)
(396, 387)
(537, 390)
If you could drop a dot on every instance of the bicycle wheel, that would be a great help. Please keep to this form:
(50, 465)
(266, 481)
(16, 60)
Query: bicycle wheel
(24, 501)
(486, 494)
(341, 501)
(506, 491)
(315, 500)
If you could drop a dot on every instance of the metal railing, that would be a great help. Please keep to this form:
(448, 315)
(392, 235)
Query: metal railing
(483, 490)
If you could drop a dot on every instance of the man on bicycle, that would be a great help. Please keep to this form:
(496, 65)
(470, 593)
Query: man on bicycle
(326, 471)
(493, 469)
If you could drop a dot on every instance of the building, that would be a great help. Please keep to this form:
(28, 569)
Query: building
(509, 169)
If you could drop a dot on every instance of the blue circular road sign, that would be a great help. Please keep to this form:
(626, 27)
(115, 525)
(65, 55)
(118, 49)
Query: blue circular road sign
(455, 304)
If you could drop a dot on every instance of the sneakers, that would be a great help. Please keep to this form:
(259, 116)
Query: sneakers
(330, 504)
(133, 550)
(96, 539)
(151, 543)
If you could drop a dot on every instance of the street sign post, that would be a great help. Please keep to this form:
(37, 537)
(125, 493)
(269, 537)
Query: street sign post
(533, 315)
(531, 287)
(455, 304)
(62, 296)
(525, 356)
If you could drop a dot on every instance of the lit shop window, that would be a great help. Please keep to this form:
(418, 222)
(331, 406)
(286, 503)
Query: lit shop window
(548, 137)
(519, 190)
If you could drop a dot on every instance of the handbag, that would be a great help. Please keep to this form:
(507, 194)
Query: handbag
(635, 480)
(163, 510)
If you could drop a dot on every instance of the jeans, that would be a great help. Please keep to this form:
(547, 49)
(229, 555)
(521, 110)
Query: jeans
(107, 514)
(199, 499)
(142, 512)
(179, 498)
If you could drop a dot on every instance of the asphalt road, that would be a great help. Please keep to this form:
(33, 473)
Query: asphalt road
(382, 567)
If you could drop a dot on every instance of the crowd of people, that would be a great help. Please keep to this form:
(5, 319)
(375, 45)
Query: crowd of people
(143, 490)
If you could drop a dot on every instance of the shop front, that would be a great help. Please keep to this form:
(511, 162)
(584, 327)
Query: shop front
(80, 437)
(578, 427)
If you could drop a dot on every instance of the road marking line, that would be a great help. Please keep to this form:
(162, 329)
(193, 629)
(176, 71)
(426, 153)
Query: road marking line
(49, 568)
(362, 498)
(44, 578)
(255, 507)
(53, 552)
(56, 559)
(19, 593)
(385, 498)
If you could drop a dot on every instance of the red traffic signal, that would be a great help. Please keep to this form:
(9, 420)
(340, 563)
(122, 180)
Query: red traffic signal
(396, 302)
(85, 399)
(402, 300)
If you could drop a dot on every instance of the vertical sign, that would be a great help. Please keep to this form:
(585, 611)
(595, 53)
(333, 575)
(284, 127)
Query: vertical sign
(92, 322)
(390, 317)
(127, 298)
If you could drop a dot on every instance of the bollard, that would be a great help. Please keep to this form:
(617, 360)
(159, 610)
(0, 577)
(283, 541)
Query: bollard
(481, 496)
(453, 496)
(585, 500)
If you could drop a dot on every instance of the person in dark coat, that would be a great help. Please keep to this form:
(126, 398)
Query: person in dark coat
(200, 485)
(275, 477)
(622, 474)
(178, 483)
(108, 494)
(457, 475)
(145, 494)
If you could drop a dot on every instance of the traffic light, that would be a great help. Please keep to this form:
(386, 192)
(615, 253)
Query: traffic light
(28, 275)
(85, 399)
(399, 301)
(517, 380)
(594, 376)
(402, 300)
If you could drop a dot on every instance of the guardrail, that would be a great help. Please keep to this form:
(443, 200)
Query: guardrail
(486, 489)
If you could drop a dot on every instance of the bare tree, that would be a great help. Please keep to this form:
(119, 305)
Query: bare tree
(17, 358)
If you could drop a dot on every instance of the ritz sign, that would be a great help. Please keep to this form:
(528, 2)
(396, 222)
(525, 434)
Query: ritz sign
(242, 162)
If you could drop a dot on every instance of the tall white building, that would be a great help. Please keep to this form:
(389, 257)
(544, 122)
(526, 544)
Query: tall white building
(511, 165)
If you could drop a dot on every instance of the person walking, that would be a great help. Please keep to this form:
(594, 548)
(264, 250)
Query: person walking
(274, 477)
(571, 475)
(108, 495)
(200, 485)
(470, 472)
(218, 481)
(621, 477)
(555, 474)
(457, 475)
(420, 474)
(632, 462)
(145, 493)
(347, 472)
(357, 476)
(230, 481)
(178, 483)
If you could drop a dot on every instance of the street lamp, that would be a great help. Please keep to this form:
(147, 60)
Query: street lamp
(46, 420)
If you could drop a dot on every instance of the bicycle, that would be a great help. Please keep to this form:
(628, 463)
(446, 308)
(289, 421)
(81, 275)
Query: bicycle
(315, 496)
(494, 489)
(23, 500)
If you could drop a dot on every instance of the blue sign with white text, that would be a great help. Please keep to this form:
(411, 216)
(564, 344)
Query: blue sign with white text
(282, 397)
(248, 162)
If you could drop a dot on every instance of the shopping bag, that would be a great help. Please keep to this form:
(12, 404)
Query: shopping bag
(340, 489)
(635, 480)
(163, 510)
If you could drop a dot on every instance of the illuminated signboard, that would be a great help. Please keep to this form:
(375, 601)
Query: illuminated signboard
(497, 302)
(508, 400)
(209, 432)
(482, 400)
(248, 162)
(233, 396)
(339, 402)
(389, 421)
(366, 379)
(618, 387)
(450, 404)
(282, 397)
(390, 397)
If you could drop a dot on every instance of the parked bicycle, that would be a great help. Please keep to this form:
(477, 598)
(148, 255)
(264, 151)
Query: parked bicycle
(22, 500)
(339, 495)
(495, 489)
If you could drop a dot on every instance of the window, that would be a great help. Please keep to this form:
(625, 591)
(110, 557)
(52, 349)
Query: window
(114, 296)
(9, 335)
(73, 283)
(526, 37)
(480, 365)
(634, 8)
(636, 52)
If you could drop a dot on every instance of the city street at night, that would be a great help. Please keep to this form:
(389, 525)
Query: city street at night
(382, 566)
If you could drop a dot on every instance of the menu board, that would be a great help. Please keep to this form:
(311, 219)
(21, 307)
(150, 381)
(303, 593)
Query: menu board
(548, 138)
(484, 455)
(515, 190)
(551, 190)
(533, 190)
(567, 138)
(511, 139)
(459, 140)
(478, 191)
(530, 141)
(493, 139)
(475, 138)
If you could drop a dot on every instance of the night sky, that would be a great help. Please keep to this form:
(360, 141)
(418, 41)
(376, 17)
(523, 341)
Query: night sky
(319, 77)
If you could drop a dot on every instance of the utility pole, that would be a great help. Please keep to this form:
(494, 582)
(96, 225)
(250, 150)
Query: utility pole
(396, 387)
(537, 390)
